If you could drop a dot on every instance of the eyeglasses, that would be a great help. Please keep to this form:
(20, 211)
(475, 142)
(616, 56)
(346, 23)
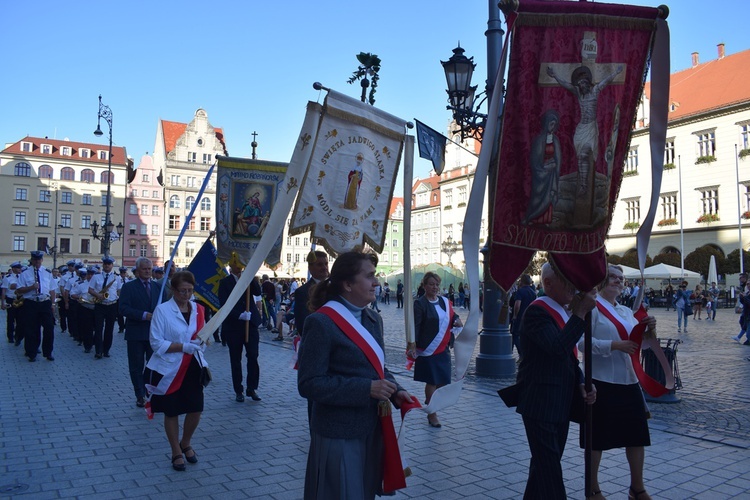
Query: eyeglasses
(185, 291)
(616, 277)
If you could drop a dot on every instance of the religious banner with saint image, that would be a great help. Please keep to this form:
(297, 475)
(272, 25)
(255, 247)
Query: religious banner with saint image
(246, 193)
(576, 74)
(346, 192)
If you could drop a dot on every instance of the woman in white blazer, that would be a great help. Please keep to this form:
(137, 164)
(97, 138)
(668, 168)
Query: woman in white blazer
(174, 372)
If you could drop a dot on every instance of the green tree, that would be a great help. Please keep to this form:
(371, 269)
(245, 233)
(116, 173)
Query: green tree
(670, 259)
(699, 260)
(732, 263)
(614, 259)
(535, 265)
(369, 65)
(630, 259)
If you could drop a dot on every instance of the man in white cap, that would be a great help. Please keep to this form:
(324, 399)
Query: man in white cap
(105, 288)
(37, 310)
(70, 274)
(9, 283)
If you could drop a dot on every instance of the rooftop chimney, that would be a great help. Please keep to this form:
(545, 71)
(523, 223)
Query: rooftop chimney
(721, 50)
(695, 59)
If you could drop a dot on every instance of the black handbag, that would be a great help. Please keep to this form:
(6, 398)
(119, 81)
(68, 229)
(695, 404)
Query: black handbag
(206, 376)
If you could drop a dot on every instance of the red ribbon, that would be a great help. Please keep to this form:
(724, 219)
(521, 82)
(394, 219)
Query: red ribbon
(651, 386)
(393, 470)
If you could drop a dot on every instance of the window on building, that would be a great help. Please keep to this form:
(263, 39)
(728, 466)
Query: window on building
(19, 219)
(103, 155)
(174, 201)
(133, 209)
(191, 156)
(710, 200)
(65, 220)
(144, 209)
(22, 194)
(22, 169)
(174, 222)
(145, 178)
(706, 143)
(462, 194)
(132, 228)
(191, 182)
(104, 199)
(448, 231)
(85, 221)
(191, 224)
(190, 249)
(633, 209)
(745, 136)
(86, 199)
(64, 245)
(669, 205)
(205, 223)
(85, 245)
(206, 158)
(155, 194)
(45, 172)
(154, 209)
(395, 243)
(19, 243)
(43, 219)
(42, 243)
(84, 153)
(144, 193)
(669, 156)
(87, 175)
(132, 249)
(289, 257)
(154, 229)
(385, 257)
(144, 249)
(104, 175)
(65, 151)
(144, 229)
(296, 241)
(189, 201)
(45, 196)
(206, 203)
(448, 197)
(67, 174)
(747, 197)
(296, 258)
(175, 180)
(394, 228)
(154, 250)
(66, 197)
(26, 147)
(171, 249)
(46, 149)
(394, 258)
(631, 162)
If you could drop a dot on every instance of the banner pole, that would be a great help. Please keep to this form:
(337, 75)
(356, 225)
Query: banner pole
(247, 308)
(588, 422)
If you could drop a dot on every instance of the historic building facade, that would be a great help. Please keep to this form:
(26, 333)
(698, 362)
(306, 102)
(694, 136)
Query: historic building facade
(51, 192)
(144, 215)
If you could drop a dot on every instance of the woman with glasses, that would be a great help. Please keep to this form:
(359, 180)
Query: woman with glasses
(682, 302)
(173, 374)
(619, 418)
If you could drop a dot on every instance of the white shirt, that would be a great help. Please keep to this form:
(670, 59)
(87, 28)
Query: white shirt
(97, 283)
(28, 278)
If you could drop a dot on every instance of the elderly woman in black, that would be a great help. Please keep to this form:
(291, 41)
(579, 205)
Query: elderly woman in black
(434, 320)
(342, 372)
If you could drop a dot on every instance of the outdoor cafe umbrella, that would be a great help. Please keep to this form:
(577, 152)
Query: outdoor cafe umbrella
(712, 276)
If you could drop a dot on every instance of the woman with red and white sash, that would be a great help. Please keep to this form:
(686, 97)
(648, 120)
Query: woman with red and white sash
(619, 416)
(173, 373)
(434, 320)
(353, 445)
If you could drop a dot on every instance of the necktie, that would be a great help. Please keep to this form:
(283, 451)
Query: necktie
(147, 285)
(106, 278)
(36, 273)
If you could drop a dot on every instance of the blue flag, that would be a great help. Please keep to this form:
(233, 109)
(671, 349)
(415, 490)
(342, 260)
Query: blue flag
(208, 271)
(431, 146)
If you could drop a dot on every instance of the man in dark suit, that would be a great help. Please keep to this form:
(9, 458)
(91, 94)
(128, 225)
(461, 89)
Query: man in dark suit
(138, 299)
(317, 268)
(548, 375)
(233, 332)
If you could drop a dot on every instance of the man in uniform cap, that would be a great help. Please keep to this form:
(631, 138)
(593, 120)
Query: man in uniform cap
(37, 310)
(8, 286)
(84, 308)
(120, 318)
(69, 274)
(105, 288)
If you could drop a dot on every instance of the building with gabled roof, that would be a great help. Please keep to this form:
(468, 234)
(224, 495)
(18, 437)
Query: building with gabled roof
(392, 257)
(705, 189)
(183, 154)
(51, 192)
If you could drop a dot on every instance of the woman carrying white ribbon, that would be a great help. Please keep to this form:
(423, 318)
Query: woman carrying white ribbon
(619, 417)
(434, 321)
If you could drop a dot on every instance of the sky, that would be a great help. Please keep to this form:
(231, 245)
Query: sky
(251, 64)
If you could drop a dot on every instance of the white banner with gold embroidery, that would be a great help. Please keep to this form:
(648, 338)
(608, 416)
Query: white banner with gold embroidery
(346, 192)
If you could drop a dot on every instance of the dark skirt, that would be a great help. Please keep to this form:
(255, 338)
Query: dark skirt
(619, 417)
(434, 370)
(187, 399)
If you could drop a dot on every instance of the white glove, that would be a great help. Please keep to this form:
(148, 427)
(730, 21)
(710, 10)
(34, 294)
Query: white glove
(190, 348)
(201, 345)
(245, 316)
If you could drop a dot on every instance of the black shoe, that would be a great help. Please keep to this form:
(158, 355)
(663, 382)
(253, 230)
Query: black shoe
(106, 354)
(178, 467)
(50, 357)
(11, 341)
(240, 398)
(253, 395)
(140, 402)
(97, 356)
(747, 342)
(32, 359)
(192, 459)
(18, 342)
(88, 350)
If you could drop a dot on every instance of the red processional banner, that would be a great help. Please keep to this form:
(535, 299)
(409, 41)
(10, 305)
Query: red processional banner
(575, 78)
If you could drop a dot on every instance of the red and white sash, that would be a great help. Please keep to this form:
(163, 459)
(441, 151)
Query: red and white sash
(393, 471)
(439, 342)
(627, 331)
(558, 313)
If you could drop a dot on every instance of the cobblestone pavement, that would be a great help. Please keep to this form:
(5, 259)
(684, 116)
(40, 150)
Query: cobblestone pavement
(70, 429)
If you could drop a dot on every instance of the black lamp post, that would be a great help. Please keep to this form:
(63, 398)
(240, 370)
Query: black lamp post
(495, 358)
(106, 113)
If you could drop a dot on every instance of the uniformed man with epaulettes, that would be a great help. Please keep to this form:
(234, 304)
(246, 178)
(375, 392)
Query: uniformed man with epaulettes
(69, 274)
(79, 294)
(123, 279)
(10, 281)
(105, 288)
(37, 310)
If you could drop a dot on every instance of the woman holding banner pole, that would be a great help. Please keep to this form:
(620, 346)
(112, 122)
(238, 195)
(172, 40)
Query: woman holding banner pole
(619, 417)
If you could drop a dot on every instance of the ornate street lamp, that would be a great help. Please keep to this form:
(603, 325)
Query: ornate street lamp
(461, 95)
(105, 236)
(449, 247)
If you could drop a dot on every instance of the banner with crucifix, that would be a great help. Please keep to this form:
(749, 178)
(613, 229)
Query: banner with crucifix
(347, 189)
(576, 74)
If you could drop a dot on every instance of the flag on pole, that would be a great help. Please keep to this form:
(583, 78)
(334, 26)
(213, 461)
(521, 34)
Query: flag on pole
(347, 189)
(246, 195)
(431, 146)
(575, 79)
(208, 271)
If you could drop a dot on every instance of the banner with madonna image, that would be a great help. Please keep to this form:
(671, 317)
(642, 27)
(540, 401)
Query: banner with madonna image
(246, 194)
(575, 79)
(347, 189)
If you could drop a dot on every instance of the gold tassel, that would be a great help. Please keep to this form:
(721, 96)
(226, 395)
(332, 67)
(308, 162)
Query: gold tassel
(384, 409)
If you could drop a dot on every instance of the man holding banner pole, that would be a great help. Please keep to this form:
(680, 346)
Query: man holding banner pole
(240, 330)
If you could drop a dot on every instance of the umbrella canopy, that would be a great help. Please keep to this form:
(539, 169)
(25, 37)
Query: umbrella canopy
(630, 273)
(665, 271)
(713, 277)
